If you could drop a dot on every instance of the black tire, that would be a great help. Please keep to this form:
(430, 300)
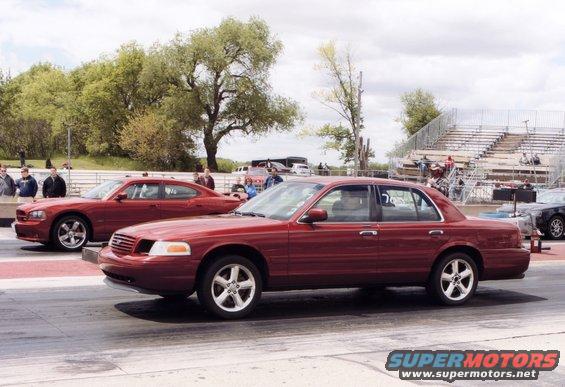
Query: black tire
(556, 227)
(251, 298)
(83, 228)
(438, 288)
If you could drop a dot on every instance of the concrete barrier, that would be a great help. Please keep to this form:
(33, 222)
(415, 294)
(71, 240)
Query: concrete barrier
(7, 213)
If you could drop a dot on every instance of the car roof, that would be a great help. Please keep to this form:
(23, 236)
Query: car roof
(337, 180)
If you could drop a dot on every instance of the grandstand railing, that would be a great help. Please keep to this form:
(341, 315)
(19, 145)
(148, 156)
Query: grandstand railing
(557, 173)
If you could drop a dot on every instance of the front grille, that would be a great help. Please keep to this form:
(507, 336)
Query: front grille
(119, 277)
(122, 244)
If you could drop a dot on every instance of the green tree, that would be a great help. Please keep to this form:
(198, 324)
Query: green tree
(110, 92)
(219, 83)
(156, 141)
(342, 98)
(419, 107)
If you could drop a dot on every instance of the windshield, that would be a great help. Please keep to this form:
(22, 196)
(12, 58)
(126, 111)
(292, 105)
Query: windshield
(281, 201)
(100, 191)
(551, 197)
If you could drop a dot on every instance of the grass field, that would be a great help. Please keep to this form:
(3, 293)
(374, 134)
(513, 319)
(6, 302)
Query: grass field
(84, 162)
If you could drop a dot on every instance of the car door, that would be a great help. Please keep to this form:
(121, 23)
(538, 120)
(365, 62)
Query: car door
(411, 231)
(140, 205)
(342, 250)
(181, 200)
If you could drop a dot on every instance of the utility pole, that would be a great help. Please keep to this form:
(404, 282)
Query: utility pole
(357, 126)
(69, 155)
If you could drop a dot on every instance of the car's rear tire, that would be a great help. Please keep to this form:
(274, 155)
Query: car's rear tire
(230, 287)
(556, 227)
(70, 233)
(454, 279)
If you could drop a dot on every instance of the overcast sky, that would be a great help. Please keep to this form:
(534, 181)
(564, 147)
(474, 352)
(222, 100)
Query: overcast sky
(476, 54)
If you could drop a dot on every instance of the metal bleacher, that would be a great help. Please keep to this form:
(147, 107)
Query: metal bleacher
(490, 140)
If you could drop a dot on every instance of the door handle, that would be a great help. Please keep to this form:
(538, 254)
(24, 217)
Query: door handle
(436, 232)
(368, 233)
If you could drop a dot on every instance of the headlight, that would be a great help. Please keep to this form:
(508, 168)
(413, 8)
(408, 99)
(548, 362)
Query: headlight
(170, 248)
(37, 215)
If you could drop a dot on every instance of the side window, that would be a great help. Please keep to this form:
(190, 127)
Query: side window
(173, 191)
(349, 203)
(397, 204)
(143, 191)
(426, 210)
(400, 204)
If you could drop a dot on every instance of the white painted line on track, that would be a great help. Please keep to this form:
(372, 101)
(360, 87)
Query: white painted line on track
(50, 282)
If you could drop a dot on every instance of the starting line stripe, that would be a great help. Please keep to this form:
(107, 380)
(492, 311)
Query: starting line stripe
(50, 282)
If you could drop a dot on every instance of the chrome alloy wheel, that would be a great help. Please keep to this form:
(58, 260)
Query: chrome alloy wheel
(72, 234)
(556, 227)
(233, 287)
(457, 279)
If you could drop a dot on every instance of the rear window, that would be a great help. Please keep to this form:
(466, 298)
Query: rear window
(402, 204)
(173, 191)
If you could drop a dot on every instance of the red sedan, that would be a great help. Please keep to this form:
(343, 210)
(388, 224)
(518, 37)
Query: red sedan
(69, 223)
(313, 233)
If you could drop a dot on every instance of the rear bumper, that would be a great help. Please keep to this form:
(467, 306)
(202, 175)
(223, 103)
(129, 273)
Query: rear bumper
(142, 275)
(505, 263)
(32, 231)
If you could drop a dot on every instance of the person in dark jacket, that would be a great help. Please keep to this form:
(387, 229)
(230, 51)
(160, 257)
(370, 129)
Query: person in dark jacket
(208, 179)
(238, 187)
(27, 187)
(22, 156)
(7, 185)
(54, 186)
(273, 180)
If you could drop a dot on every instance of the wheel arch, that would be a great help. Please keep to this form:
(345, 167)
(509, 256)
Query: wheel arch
(243, 250)
(472, 251)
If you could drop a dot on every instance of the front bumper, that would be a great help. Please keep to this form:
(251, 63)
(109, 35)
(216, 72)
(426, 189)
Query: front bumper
(32, 231)
(149, 275)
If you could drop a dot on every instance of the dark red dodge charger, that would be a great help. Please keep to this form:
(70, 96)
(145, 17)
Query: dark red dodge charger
(314, 233)
(69, 223)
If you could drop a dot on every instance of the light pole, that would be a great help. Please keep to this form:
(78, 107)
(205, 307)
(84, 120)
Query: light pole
(357, 126)
(69, 155)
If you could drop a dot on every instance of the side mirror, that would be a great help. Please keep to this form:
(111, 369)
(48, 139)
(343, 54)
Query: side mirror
(315, 215)
(121, 196)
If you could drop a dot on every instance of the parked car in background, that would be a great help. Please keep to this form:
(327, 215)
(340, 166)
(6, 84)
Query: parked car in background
(301, 170)
(69, 223)
(547, 214)
(315, 233)
(241, 170)
(281, 168)
(258, 175)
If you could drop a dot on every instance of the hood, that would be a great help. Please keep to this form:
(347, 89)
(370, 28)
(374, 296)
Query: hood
(527, 207)
(42, 204)
(183, 228)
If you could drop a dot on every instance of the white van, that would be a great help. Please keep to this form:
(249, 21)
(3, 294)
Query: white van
(301, 170)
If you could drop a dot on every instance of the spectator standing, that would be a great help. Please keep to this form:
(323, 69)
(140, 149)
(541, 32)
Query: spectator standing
(250, 188)
(238, 187)
(22, 156)
(145, 174)
(320, 169)
(449, 163)
(208, 180)
(7, 185)
(198, 179)
(423, 164)
(269, 164)
(326, 169)
(273, 180)
(27, 187)
(48, 164)
(54, 186)
(457, 189)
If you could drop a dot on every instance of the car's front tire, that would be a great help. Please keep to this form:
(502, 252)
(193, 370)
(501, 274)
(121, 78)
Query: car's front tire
(454, 279)
(556, 227)
(230, 287)
(70, 233)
